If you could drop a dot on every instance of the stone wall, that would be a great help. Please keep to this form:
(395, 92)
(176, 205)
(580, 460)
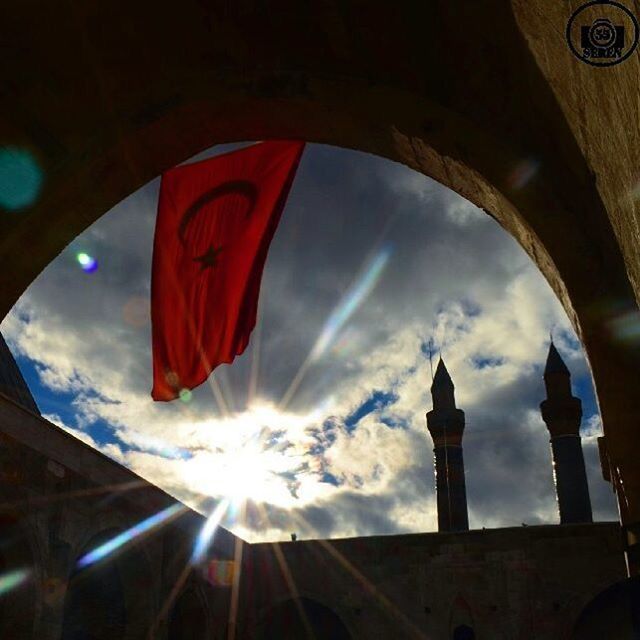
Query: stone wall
(105, 96)
(59, 499)
(512, 584)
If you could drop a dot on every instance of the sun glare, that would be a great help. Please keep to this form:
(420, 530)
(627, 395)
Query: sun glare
(249, 474)
(263, 461)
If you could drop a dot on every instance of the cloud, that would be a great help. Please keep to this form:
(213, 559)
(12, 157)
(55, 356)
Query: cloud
(350, 455)
(111, 450)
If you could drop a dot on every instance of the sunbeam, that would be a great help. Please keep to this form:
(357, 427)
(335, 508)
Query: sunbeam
(166, 605)
(37, 501)
(237, 575)
(201, 545)
(208, 531)
(131, 534)
(365, 583)
(252, 387)
(288, 578)
(355, 296)
(352, 300)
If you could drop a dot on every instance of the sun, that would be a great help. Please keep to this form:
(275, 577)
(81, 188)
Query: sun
(256, 455)
(249, 474)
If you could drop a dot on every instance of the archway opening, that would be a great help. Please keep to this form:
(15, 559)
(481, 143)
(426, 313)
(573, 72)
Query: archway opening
(188, 619)
(375, 270)
(613, 613)
(303, 619)
(110, 599)
(18, 578)
(464, 632)
(363, 92)
(94, 605)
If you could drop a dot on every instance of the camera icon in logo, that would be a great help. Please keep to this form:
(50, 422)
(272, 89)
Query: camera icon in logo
(602, 39)
(602, 34)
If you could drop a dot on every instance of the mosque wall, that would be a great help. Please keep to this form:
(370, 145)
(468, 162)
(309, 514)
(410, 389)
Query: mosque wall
(59, 498)
(512, 583)
(393, 83)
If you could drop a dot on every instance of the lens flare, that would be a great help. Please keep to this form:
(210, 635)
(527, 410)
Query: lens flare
(354, 297)
(130, 534)
(350, 302)
(185, 395)
(87, 262)
(219, 573)
(20, 179)
(208, 531)
(136, 312)
(626, 327)
(13, 579)
(347, 343)
(150, 444)
(523, 172)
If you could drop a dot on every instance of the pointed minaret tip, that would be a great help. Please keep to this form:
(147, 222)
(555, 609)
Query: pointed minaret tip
(442, 377)
(555, 363)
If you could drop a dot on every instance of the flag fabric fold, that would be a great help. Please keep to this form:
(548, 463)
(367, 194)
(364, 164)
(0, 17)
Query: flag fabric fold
(215, 223)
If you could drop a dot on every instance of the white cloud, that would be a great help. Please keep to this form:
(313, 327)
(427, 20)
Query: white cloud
(454, 275)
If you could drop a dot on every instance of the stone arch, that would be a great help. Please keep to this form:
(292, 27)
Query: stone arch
(94, 606)
(376, 82)
(291, 619)
(190, 617)
(613, 613)
(111, 599)
(103, 525)
(461, 622)
(463, 632)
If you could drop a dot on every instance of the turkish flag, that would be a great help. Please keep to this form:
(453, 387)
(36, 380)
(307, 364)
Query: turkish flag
(216, 220)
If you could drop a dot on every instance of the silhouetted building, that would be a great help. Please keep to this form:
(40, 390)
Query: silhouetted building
(562, 413)
(60, 499)
(446, 426)
(12, 384)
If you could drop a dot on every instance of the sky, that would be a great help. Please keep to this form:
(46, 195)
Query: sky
(319, 427)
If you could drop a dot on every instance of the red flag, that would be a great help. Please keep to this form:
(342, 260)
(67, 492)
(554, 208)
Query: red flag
(216, 220)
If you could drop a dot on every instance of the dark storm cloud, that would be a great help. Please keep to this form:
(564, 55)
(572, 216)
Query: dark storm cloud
(328, 232)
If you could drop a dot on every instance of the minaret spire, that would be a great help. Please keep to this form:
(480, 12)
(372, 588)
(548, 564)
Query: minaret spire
(442, 389)
(446, 426)
(562, 413)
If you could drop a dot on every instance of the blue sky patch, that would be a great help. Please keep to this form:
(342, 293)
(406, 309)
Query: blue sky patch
(393, 422)
(330, 479)
(375, 402)
(48, 401)
(470, 308)
(486, 363)
(427, 348)
(583, 389)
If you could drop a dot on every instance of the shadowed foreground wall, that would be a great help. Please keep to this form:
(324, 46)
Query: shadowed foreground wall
(59, 498)
(107, 95)
(526, 582)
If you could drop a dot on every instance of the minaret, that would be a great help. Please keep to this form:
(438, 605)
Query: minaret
(446, 424)
(562, 413)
